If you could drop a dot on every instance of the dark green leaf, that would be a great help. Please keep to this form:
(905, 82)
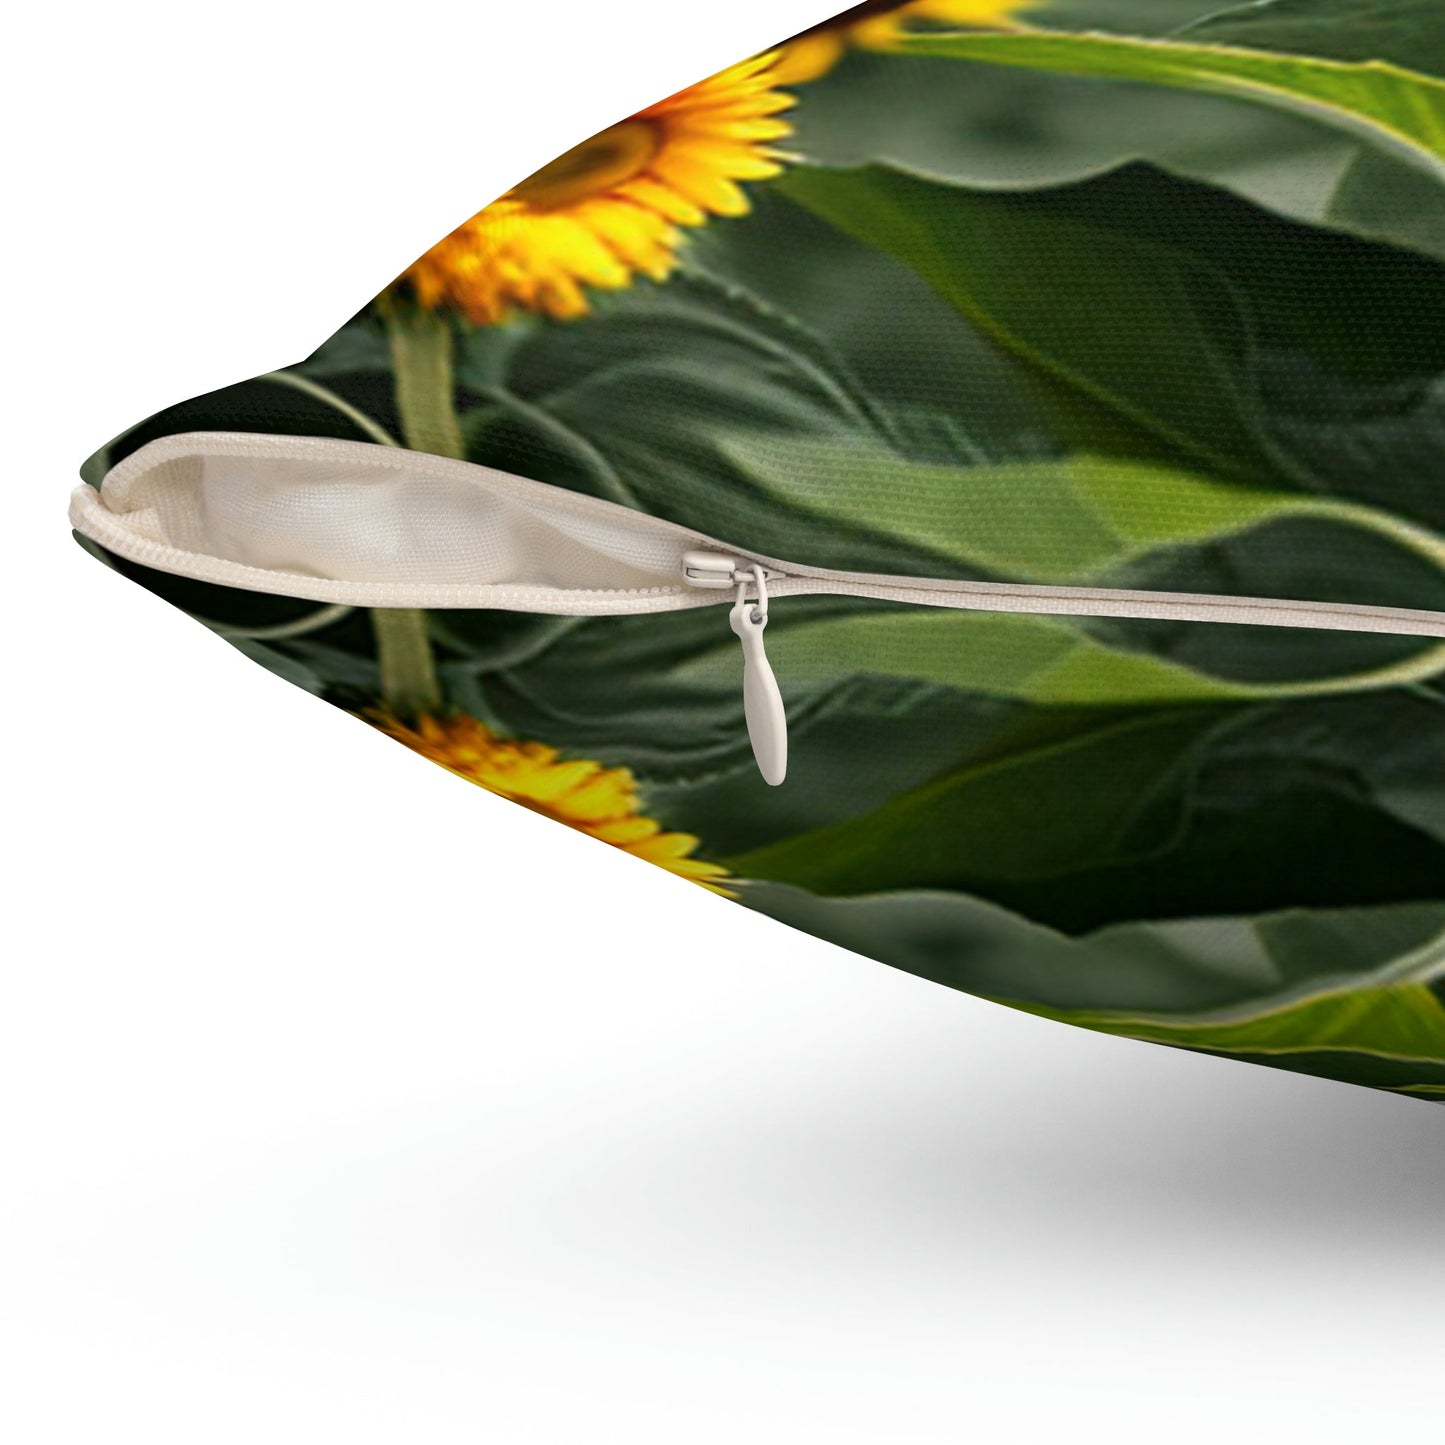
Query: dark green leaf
(1401, 111)
(641, 402)
(266, 405)
(1408, 33)
(1213, 328)
(885, 323)
(1158, 971)
(1383, 198)
(1175, 814)
(1344, 993)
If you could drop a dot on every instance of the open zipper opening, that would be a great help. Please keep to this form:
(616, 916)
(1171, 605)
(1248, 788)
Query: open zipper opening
(364, 525)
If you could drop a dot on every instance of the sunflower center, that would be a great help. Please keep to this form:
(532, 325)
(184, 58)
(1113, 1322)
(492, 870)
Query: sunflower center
(610, 158)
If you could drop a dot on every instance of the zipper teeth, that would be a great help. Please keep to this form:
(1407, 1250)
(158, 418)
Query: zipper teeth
(91, 515)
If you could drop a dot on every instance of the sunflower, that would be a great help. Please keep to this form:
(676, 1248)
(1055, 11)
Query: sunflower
(601, 802)
(611, 208)
(876, 24)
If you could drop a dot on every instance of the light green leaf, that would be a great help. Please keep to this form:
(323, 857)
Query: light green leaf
(1401, 1021)
(1012, 655)
(995, 654)
(1399, 110)
(1061, 520)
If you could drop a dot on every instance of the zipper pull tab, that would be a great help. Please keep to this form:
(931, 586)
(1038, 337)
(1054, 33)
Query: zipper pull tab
(762, 701)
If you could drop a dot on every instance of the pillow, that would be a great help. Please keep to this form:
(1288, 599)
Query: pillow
(965, 482)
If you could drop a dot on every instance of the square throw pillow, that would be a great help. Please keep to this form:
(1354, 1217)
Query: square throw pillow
(967, 482)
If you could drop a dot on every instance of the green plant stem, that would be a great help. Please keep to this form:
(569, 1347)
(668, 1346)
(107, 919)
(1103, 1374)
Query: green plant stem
(421, 359)
(409, 682)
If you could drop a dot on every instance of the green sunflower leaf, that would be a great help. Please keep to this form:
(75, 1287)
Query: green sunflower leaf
(1226, 975)
(1038, 812)
(1346, 993)
(1403, 1021)
(1243, 345)
(1010, 655)
(1406, 33)
(1177, 812)
(638, 402)
(1379, 197)
(1399, 110)
(1057, 520)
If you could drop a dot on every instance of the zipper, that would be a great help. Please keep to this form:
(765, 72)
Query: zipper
(763, 709)
(319, 519)
(762, 699)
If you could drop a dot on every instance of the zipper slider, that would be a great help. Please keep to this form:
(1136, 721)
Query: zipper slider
(762, 701)
(720, 569)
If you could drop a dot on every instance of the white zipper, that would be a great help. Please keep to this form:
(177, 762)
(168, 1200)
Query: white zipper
(234, 508)
(767, 719)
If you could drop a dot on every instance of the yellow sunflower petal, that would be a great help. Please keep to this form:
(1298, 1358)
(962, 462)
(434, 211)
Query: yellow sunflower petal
(663, 847)
(612, 208)
(705, 188)
(981, 13)
(600, 801)
(809, 56)
(624, 832)
(650, 194)
(877, 26)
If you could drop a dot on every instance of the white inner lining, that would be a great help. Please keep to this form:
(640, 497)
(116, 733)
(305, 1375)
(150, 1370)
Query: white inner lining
(363, 514)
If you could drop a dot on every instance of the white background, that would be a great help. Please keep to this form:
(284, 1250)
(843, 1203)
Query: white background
(344, 1102)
